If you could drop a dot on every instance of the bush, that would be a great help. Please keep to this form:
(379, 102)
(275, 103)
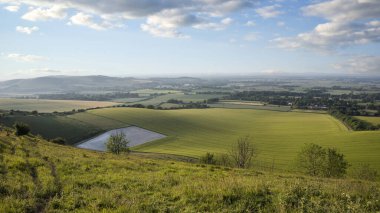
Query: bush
(315, 160)
(118, 143)
(208, 158)
(366, 172)
(59, 140)
(21, 129)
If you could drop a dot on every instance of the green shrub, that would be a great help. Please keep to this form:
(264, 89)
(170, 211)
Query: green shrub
(365, 172)
(59, 140)
(208, 158)
(21, 129)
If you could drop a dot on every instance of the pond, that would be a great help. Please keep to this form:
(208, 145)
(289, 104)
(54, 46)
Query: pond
(134, 134)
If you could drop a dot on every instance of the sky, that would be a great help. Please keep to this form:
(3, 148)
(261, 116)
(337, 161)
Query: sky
(143, 38)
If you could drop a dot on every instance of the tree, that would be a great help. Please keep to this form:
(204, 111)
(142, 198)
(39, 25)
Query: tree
(21, 129)
(243, 152)
(318, 161)
(118, 143)
(312, 159)
(336, 165)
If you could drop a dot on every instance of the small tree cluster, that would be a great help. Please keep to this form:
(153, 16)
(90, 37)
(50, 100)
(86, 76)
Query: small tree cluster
(21, 129)
(315, 160)
(118, 143)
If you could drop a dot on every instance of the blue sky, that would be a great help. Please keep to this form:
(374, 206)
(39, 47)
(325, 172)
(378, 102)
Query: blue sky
(190, 37)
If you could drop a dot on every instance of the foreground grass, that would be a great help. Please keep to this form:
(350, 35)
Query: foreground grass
(39, 176)
(49, 105)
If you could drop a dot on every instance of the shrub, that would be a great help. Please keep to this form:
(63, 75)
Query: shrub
(21, 129)
(366, 172)
(118, 143)
(208, 158)
(59, 140)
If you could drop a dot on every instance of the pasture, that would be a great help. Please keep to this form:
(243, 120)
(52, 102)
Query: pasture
(278, 136)
(49, 105)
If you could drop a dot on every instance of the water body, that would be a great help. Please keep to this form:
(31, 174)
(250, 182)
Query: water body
(134, 134)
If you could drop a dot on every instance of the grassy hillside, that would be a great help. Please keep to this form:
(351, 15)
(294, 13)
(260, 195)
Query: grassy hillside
(37, 176)
(49, 105)
(279, 136)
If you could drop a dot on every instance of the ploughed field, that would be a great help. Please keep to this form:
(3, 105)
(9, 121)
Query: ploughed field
(278, 136)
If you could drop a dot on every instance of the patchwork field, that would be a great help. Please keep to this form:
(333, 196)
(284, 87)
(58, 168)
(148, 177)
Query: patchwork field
(49, 105)
(373, 120)
(277, 135)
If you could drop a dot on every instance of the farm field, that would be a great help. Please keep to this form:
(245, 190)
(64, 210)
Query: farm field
(179, 96)
(279, 136)
(46, 177)
(49, 105)
(239, 105)
(373, 120)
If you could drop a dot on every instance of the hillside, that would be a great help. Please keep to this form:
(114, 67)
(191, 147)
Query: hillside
(38, 176)
(278, 136)
(89, 84)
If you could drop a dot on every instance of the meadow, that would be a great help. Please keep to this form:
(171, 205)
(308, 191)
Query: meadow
(38, 176)
(49, 105)
(278, 136)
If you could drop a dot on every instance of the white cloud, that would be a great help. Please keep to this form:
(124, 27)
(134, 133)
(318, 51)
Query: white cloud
(250, 24)
(350, 22)
(27, 30)
(269, 11)
(223, 24)
(12, 8)
(205, 14)
(82, 19)
(44, 14)
(360, 64)
(25, 58)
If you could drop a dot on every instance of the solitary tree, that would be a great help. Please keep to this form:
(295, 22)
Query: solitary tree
(118, 143)
(312, 159)
(21, 128)
(243, 152)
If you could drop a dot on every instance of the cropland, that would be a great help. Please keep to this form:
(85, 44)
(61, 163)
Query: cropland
(38, 176)
(49, 105)
(277, 135)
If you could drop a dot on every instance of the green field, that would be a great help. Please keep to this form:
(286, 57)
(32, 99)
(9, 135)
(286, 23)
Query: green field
(178, 96)
(234, 105)
(373, 120)
(278, 135)
(38, 176)
(49, 105)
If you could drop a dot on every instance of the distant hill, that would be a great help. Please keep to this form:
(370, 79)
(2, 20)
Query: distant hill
(64, 84)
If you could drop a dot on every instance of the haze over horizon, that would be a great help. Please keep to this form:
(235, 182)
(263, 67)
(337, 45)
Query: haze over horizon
(189, 38)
